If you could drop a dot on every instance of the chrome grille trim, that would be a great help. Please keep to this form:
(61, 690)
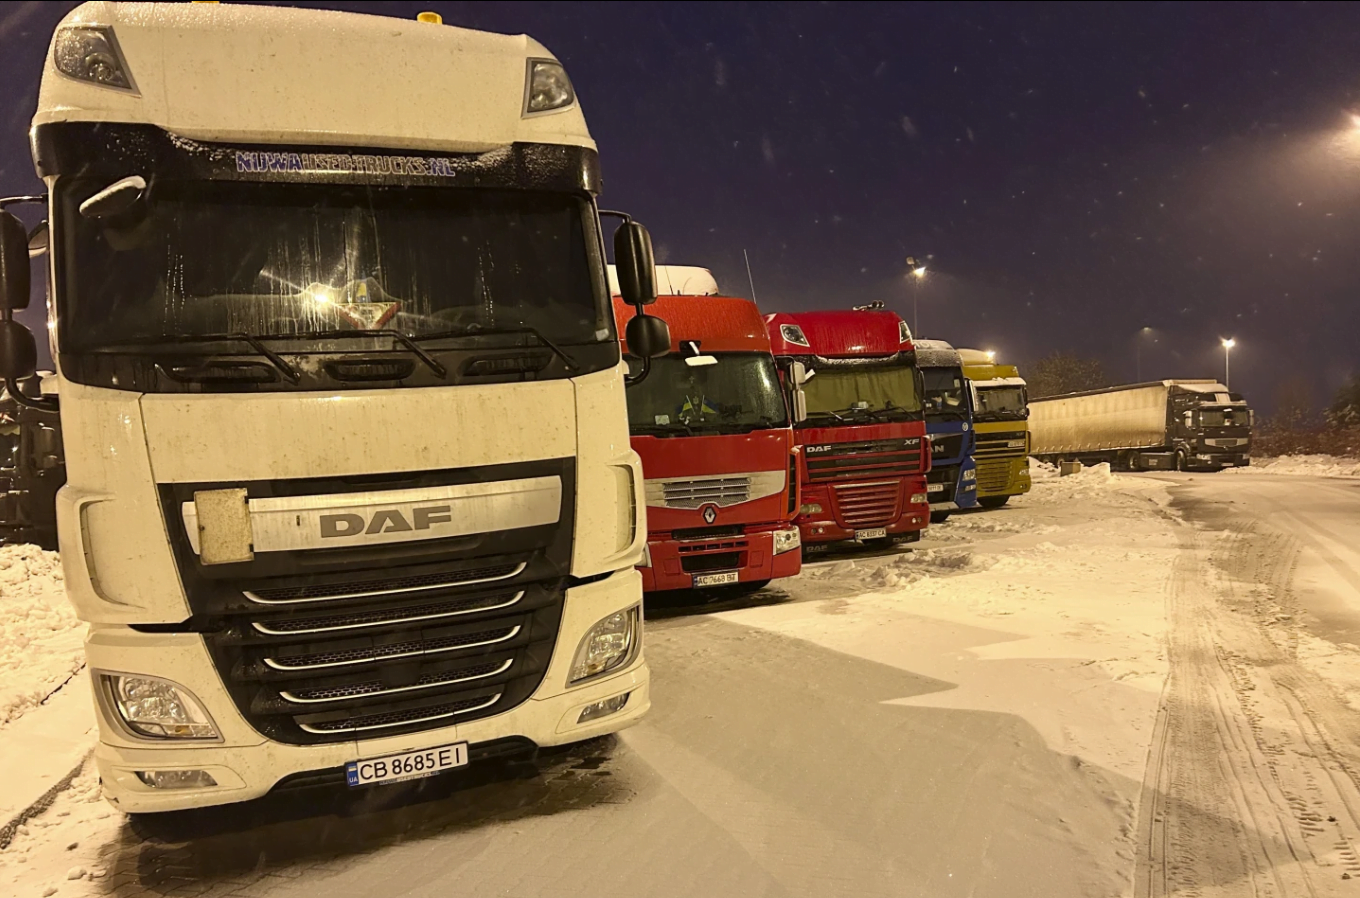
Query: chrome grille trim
(398, 723)
(298, 700)
(276, 665)
(264, 627)
(335, 597)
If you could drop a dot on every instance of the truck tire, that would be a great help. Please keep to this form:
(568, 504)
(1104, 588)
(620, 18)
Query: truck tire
(939, 517)
(1182, 461)
(993, 501)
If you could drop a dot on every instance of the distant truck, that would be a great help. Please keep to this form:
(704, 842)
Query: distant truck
(718, 458)
(32, 467)
(1188, 425)
(952, 481)
(1000, 427)
(865, 454)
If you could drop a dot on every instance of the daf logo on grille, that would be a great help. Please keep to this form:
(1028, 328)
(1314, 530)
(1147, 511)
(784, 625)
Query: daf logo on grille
(388, 520)
(710, 514)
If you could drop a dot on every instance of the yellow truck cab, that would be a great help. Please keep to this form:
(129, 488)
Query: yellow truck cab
(1000, 427)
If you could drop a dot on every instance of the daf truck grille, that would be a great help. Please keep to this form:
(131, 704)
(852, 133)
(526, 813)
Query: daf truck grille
(861, 505)
(993, 474)
(325, 646)
(859, 461)
(1012, 444)
(719, 491)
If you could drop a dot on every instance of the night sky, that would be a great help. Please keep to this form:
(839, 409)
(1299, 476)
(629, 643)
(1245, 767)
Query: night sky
(1074, 173)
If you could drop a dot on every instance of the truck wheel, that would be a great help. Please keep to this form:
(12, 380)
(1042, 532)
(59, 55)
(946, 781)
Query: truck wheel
(1182, 461)
(993, 501)
(939, 517)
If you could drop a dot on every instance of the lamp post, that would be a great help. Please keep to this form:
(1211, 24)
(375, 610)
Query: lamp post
(1228, 344)
(918, 271)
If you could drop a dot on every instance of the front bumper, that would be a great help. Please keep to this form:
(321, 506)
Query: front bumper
(827, 525)
(1002, 476)
(953, 488)
(674, 563)
(246, 766)
(1216, 462)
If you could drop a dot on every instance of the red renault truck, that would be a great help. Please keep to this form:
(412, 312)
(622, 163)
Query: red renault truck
(865, 454)
(717, 448)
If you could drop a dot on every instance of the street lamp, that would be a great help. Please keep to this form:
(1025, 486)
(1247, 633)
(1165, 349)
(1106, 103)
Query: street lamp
(918, 270)
(1228, 344)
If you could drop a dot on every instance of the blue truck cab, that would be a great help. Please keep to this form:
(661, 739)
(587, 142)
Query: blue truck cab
(952, 481)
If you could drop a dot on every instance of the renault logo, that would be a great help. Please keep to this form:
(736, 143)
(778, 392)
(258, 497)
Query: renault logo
(710, 514)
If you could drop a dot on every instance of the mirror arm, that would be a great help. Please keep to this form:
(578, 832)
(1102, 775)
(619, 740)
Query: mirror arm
(11, 200)
(610, 213)
(38, 405)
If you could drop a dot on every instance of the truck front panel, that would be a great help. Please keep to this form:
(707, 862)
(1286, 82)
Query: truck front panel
(858, 479)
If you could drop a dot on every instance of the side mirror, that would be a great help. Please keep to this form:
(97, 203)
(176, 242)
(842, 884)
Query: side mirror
(47, 447)
(799, 375)
(38, 239)
(799, 405)
(635, 265)
(14, 277)
(117, 198)
(647, 336)
(18, 350)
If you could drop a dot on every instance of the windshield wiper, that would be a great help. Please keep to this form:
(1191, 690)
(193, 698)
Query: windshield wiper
(679, 427)
(827, 414)
(430, 361)
(255, 343)
(493, 331)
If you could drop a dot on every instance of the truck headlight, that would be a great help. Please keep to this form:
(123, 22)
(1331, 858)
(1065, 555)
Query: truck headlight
(786, 541)
(608, 645)
(91, 53)
(547, 87)
(810, 508)
(918, 498)
(158, 708)
(970, 474)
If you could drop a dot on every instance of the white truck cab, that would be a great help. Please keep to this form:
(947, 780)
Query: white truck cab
(350, 496)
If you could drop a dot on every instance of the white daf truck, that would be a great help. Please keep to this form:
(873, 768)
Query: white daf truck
(350, 496)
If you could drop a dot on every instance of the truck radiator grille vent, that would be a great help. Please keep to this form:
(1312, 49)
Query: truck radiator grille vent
(946, 447)
(993, 475)
(718, 561)
(449, 648)
(720, 491)
(863, 505)
(1013, 444)
(857, 461)
(368, 588)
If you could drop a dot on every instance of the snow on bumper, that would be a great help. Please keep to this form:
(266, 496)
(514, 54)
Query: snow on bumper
(245, 765)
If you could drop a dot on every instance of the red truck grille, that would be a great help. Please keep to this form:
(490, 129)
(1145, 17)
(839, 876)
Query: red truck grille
(854, 461)
(861, 505)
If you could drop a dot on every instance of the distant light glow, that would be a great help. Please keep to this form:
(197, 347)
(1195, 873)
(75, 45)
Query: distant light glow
(919, 272)
(1229, 343)
(991, 355)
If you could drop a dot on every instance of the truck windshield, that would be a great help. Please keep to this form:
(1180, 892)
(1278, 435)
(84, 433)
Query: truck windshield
(943, 393)
(199, 258)
(1000, 403)
(1224, 417)
(739, 394)
(862, 394)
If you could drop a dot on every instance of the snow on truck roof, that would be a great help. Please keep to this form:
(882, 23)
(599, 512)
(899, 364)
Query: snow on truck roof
(937, 354)
(675, 280)
(279, 75)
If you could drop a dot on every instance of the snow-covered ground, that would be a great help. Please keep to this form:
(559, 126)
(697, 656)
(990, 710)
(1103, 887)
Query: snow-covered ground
(40, 638)
(1304, 465)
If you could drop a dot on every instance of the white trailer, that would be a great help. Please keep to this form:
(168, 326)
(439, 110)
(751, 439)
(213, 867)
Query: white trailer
(1185, 424)
(350, 495)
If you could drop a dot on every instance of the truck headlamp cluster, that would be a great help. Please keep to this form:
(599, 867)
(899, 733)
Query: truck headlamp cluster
(786, 541)
(792, 333)
(547, 87)
(91, 54)
(157, 708)
(609, 645)
(970, 474)
(903, 332)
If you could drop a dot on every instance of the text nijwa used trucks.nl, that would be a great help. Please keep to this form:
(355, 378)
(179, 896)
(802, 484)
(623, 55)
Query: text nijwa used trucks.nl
(350, 494)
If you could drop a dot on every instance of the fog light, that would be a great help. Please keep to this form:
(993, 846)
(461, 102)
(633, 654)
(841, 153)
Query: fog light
(810, 508)
(608, 645)
(603, 709)
(918, 498)
(786, 541)
(158, 708)
(970, 474)
(177, 779)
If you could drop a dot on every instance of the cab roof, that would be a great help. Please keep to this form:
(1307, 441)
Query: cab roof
(849, 333)
(718, 323)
